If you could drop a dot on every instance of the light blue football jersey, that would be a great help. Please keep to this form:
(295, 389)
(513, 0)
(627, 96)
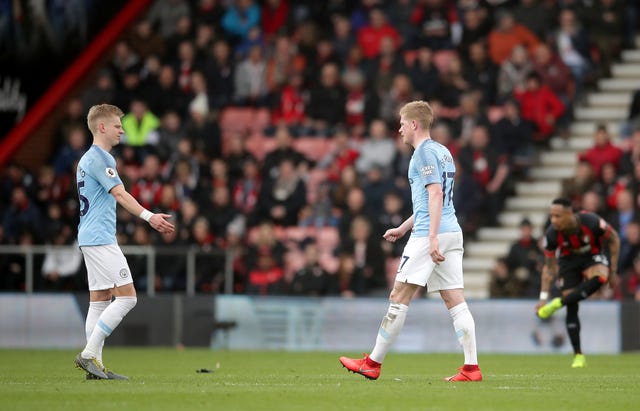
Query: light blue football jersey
(96, 176)
(431, 163)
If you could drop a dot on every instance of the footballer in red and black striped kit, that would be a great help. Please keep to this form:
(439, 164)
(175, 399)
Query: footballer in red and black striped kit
(583, 250)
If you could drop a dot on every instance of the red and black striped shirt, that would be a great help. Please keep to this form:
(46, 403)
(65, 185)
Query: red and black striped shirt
(587, 239)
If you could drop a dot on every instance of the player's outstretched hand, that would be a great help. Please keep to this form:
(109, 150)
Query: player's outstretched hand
(159, 222)
(393, 234)
(613, 279)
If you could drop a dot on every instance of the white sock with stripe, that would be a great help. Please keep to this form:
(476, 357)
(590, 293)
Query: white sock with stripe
(107, 322)
(93, 314)
(389, 330)
(465, 329)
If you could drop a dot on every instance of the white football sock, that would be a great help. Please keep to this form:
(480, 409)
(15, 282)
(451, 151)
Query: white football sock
(93, 314)
(465, 331)
(389, 329)
(108, 321)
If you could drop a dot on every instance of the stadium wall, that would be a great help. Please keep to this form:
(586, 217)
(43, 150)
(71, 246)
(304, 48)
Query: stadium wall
(304, 324)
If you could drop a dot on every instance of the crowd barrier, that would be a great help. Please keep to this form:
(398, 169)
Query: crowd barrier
(238, 322)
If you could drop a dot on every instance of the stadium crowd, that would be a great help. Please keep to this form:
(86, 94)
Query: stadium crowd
(268, 128)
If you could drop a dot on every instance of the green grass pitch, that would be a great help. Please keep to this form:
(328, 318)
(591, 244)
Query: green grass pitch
(166, 379)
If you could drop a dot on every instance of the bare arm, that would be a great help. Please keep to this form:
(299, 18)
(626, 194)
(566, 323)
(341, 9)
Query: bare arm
(498, 179)
(435, 215)
(393, 234)
(549, 272)
(126, 200)
(613, 241)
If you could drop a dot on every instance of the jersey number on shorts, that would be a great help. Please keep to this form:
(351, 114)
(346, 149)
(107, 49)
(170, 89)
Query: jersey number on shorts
(447, 189)
(84, 201)
(404, 260)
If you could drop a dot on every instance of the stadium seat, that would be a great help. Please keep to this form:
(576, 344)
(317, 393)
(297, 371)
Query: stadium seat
(258, 145)
(261, 119)
(298, 234)
(237, 119)
(314, 148)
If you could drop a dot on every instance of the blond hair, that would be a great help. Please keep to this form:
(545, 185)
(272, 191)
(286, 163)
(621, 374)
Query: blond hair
(419, 111)
(101, 112)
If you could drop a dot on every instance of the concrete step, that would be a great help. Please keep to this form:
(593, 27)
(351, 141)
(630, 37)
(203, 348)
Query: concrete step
(477, 264)
(588, 128)
(619, 84)
(487, 248)
(631, 55)
(513, 218)
(559, 158)
(552, 173)
(476, 283)
(626, 70)
(621, 100)
(575, 144)
(546, 188)
(601, 113)
(529, 203)
(510, 234)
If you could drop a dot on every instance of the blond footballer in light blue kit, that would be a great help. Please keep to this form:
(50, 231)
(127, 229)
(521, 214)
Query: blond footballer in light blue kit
(433, 254)
(99, 190)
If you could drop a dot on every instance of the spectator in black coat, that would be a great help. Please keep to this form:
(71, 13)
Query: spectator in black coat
(326, 108)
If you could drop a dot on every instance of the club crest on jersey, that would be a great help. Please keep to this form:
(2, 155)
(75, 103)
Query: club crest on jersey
(111, 172)
(124, 273)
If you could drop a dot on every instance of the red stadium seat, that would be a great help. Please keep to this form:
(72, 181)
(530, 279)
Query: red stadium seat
(261, 119)
(314, 148)
(237, 119)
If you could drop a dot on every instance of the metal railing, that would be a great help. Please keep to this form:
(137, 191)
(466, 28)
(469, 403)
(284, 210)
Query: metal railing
(150, 252)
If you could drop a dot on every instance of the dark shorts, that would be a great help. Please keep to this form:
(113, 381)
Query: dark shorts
(571, 269)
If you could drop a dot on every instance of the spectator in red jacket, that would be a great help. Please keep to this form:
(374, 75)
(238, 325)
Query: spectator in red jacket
(540, 105)
(369, 36)
(289, 110)
(148, 189)
(602, 151)
(274, 17)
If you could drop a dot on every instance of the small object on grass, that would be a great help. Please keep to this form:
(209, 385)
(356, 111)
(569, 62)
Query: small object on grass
(204, 370)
